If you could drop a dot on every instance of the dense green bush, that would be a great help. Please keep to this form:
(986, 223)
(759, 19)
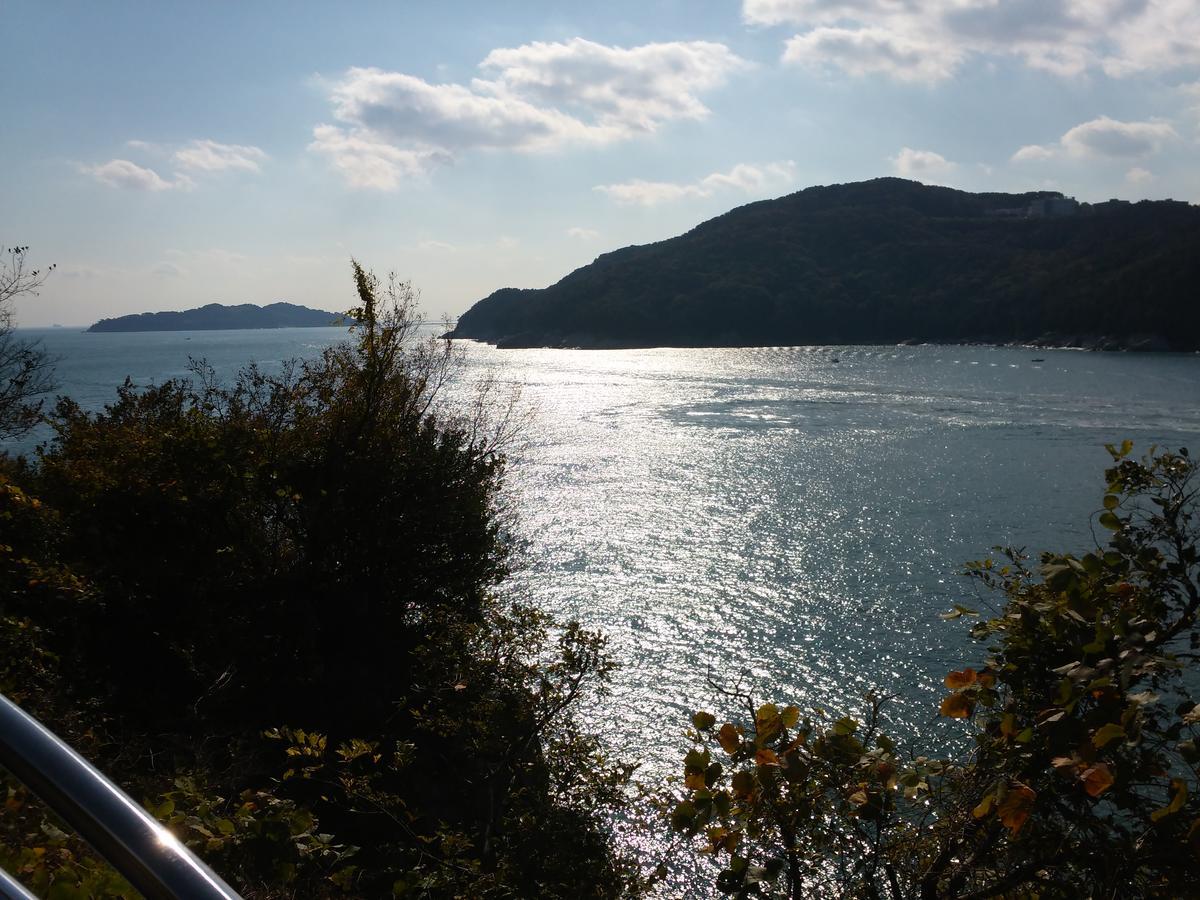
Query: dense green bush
(1081, 780)
(276, 602)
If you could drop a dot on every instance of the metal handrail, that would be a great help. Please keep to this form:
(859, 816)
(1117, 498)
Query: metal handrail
(11, 889)
(154, 861)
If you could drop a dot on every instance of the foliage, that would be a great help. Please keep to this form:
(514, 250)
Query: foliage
(217, 316)
(1082, 778)
(279, 599)
(25, 369)
(879, 261)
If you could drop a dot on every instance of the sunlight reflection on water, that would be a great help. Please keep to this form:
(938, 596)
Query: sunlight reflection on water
(795, 524)
(772, 514)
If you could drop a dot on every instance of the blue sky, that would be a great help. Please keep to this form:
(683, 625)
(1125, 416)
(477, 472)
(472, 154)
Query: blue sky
(166, 155)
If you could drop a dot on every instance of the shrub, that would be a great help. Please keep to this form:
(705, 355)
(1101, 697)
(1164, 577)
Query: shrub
(1082, 775)
(290, 620)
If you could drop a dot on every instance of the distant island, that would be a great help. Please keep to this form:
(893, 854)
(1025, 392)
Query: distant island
(882, 261)
(217, 317)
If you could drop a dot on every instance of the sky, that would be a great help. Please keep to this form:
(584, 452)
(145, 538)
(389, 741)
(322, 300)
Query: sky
(166, 155)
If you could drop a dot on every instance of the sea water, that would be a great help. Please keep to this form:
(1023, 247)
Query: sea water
(788, 519)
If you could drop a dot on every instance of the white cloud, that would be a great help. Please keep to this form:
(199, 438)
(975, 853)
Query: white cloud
(209, 156)
(536, 97)
(168, 270)
(870, 51)
(752, 179)
(583, 234)
(1108, 137)
(1191, 94)
(121, 173)
(922, 165)
(402, 109)
(801, 12)
(1105, 138)
(428, 246)
(370, 163)
(648, 193)
(628, 90)
(1033, 153)
(1138, 175)
(198, 156)
(749, 179)
(929, 39)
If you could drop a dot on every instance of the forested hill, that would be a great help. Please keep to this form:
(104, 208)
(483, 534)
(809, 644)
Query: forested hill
(216, 317)
(881, 261)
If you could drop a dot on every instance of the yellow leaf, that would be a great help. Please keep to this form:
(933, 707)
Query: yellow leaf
(766, 757)
(958, 680)
(1017, 805)
(956, 706)
(790, 716)
(1097, 779)
(767, 721)
(729, 739)
(858, 798)
(766, 713)
(984, 807)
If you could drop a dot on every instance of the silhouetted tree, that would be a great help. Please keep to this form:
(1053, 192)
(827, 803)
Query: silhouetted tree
(25, 368)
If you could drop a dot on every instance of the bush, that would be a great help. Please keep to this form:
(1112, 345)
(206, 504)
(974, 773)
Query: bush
(1082, 779)
(288, 615)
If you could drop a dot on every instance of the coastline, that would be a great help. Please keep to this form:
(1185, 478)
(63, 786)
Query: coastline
(1136, 343)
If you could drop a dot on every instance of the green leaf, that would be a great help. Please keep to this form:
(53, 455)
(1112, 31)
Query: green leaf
(1111, 501)
(844, 726)
(742, 784)
(1109, 521)
(704, 721)
(1107, 734)
(683, 815)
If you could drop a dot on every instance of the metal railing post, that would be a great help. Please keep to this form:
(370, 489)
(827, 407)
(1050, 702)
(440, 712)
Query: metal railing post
(144, 851)
(11, 889)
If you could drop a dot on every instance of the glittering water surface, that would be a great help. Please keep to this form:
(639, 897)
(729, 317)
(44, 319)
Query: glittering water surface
(801, 514)
(796, 515)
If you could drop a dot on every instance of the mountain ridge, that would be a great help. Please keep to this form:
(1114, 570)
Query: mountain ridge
(219, 317)
(881, 261)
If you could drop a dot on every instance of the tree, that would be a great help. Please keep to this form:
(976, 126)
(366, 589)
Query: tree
(344, 702)
(25, 368)
(1082, 778)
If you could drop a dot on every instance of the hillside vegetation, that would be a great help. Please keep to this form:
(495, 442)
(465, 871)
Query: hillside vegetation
(218, 317)
(880, 261)
(277, 611)
(270, 610)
